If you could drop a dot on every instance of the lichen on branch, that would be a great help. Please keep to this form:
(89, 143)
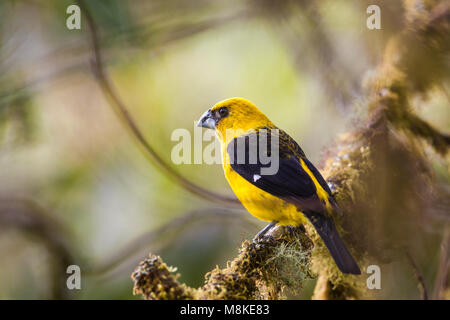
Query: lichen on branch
(263, 269)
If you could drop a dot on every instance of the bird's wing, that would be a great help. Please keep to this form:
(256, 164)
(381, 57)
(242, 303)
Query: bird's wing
(290, 182)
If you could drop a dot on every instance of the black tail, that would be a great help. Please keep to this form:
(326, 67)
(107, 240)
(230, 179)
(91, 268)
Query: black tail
(326, 229)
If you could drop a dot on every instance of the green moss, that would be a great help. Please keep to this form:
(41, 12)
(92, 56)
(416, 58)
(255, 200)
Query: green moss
(288, 267)
(262, 270)
(156, 281)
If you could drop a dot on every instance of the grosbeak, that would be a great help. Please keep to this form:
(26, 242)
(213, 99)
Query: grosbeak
(294, 193)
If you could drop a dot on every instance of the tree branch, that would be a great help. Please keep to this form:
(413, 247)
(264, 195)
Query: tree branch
(442, 282)
(28, 217)
(122, 112)
(262, 270)
(418, 275)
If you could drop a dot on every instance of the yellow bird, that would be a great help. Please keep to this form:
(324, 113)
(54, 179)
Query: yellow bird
(271, 176)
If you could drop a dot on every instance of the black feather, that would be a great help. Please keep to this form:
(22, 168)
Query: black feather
(327, 230)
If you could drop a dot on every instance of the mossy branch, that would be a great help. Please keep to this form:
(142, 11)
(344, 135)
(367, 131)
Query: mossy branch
(384, 152)
(263, 269)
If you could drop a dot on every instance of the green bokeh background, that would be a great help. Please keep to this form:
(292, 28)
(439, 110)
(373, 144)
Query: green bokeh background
(63, 147)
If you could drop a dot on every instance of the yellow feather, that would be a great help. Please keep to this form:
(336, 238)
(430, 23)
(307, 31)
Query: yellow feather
(261, 204)
(321, 193)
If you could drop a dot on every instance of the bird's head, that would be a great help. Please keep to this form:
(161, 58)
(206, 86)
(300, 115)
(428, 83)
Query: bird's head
(234, 115)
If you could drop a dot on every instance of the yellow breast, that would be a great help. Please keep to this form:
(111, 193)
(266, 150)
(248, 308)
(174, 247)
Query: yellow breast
(261, 204)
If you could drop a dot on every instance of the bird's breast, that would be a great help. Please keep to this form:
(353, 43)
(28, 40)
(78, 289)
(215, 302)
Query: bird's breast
(262, 204)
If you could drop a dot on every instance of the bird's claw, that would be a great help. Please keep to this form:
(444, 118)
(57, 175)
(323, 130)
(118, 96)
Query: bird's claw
(257, 238)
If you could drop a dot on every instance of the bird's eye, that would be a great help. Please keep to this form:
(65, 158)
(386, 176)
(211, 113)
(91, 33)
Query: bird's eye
(223, 111)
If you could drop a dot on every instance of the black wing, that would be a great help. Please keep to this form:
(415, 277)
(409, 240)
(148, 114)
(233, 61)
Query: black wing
(290, 182)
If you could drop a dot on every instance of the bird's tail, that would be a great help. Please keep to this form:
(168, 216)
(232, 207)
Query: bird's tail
(327, 230)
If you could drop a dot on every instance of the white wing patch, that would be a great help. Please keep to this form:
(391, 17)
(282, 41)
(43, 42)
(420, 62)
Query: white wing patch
(256, 177)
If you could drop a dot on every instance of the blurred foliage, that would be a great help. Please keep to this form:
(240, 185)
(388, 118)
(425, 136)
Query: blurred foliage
(62, 147)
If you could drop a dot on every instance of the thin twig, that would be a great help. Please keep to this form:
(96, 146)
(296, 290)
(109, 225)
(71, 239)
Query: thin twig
(418, 275)
(174, 226)
(173, 34)
(123, 114)
(28, 217)
(444, 266)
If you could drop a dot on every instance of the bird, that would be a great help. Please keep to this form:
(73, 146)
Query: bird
(291, 195)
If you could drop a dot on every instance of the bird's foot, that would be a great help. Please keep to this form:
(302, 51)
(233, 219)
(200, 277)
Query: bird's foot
(261, 234)
(293, 230)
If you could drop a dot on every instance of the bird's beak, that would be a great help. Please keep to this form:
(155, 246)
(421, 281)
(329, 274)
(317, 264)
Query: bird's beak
(206, 120)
